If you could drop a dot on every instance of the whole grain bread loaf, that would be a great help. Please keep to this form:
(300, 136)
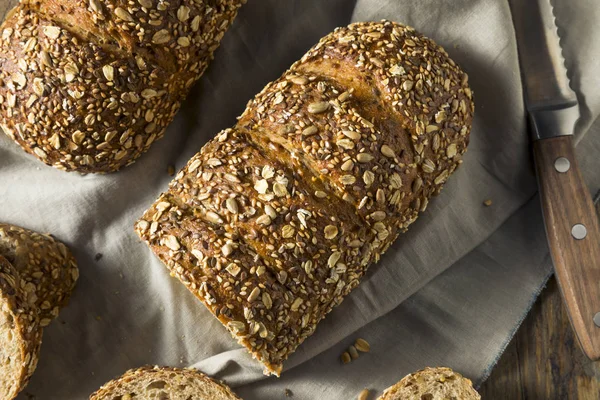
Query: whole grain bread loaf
(20, 333)
(276, 220)
(432, 384)
(89, 85)
(164, 383)
(46, 266)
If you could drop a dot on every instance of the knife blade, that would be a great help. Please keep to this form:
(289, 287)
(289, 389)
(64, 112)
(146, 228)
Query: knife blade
(570, 219)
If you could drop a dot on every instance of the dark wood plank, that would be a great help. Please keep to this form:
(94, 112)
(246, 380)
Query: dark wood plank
(544, 361)
(566, 203)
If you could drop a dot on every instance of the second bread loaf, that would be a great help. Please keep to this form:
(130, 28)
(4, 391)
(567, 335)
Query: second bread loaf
(88, 86)
(276, 220)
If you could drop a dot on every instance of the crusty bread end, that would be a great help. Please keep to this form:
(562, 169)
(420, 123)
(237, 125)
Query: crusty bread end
(164, 383)
(432, 384)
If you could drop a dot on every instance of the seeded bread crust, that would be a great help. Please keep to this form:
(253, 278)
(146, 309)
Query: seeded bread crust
(46, 267)
(88, 86)
(327, 165)
(20, 333)
(178, 384)
(432, 384)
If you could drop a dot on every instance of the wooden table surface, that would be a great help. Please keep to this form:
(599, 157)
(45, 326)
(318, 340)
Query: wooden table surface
(543, 361)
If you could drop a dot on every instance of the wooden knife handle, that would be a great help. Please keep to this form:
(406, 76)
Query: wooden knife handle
(573, 236)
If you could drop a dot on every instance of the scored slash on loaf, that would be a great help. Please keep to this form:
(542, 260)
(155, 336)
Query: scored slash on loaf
(276, 220)
(89, 85)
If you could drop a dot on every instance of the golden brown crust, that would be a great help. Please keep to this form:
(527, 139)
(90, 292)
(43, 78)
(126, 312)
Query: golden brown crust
(432, 383)
(46, 267)
(173, 381)
(91, 94)
(25, 328)
(323, 170)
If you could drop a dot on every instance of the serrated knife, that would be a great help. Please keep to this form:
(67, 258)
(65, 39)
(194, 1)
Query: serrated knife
(571, 222)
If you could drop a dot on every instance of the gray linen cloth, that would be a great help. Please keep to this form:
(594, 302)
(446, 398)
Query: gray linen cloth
(451, 291)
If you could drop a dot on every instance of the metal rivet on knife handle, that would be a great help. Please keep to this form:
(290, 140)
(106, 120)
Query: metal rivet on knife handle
(562, 164)
(579, 231)
(597, 319)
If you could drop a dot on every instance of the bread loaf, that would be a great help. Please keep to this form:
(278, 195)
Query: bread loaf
(20, 333)
(432, 384)
(164, 383)
(276, 220)
(46, 266)
(89, 85)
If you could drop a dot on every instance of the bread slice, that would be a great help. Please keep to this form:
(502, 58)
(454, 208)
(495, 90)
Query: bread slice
(46, 266)
(164, 383)
(432, 384)
(20, 334)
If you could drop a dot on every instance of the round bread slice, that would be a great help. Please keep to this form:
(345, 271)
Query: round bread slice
(20, 334)
(46, 266)
(164, 383)
(432, 384)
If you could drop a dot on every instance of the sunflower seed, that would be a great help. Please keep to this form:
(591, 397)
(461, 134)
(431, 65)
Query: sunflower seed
(353, 352)
(378, 216)
(380, 196)
(45, 58)
(213, 217)
(345, 144)
(364, 394)
(254, 294)
(270, 211)
(123, 14)
(39, 152)
(364, 157)
(387, 151)
(232, 205)
(352, 135)
(344, 96)
(347, 165)
(146, 3)
(417, 183)
(368, 178)
(172, 243)
(318, 107)
(435, 145)
(346, 357)
(264, 220)
(320, 194)
(96, 6)
(407, 85)
(310, 130)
